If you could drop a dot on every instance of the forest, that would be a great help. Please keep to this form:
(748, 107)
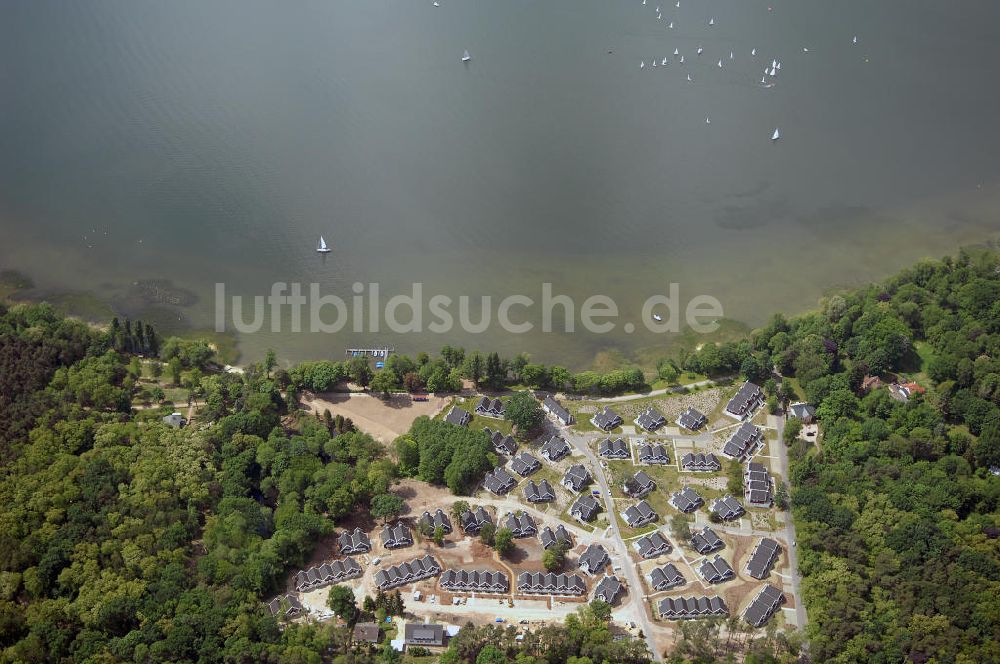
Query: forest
(124, 539)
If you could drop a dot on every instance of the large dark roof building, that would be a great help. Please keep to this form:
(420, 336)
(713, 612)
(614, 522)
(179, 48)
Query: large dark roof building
(551, 537)
(409, 572)
(650, 419)
(686, 500)
(594, 559)
(285, 606)
(354, 542)
(716, 571)
(764, 605)
(542, 492)
(639, 514)
(727, 508)
(655, 453)
(747, 399)
(426, 635)
(700, 463)
(552, 407)
(609, 589)
(576, 478)
(474, 520)
(606, 419)
(706, 541)
(394, 537)
(638, 485)
(521, 525)
(478, 581)
(763, 557)
(501, 443)
(652, 545)
(490, 407)
(550, 584)
(555, 448)
(458, 416)
(430, 522)
(665, 578)
(744, 442)
(524, 464)
(757, 485)
(689, 608)
(499, 481)
(691, 419)
(613, 449)
(585, 508)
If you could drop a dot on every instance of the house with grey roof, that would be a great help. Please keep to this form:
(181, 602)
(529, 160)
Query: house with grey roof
(285, 606)
(764, 605)
(665, 578)
(762, 558)
(716, 570)
(652, 453)
(551, 537)
(691, 419)
(498, 481)
(609, 589)
(395, 537)
(524, 464)
(555, 448)
(639, 514)
(424, 635)
(686, 500)
(804, 411)
(521, 525)
(428, 522)
(613, 449)
(727, 508)
(475, 581)
(366, 632)
(539, 583)
(474, 520)
(354, 542)
(696, 462)
(488, 407)
(553, 408)
(594, 559)
(577, 478)
(650, 419)
(757, 485)
(638, 485)
(652, 545)
(606, 419)
(585, 508)
(458, 416)
(744, 442)
(706, 541)
(176, 420)
(327, 574)
(746, 400)
(406, 573)
(691, 608)
(541, 492)
(503, 444)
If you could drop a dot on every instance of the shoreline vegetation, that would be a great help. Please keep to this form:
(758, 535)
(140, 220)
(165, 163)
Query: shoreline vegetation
(123, 538)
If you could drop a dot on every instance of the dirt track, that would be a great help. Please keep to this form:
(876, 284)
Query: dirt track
(384, 419)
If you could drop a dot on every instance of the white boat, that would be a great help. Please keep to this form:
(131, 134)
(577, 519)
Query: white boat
(466, 57)
(322, 248)
(682, 59)
(711, 21)
(689, 78)
(678, 3)
(677, 51)
(708, 120)
(730, 55)
(720, 64)
(654, 62)
(778, 67)
(753, 52)
(664, 63)
(642, 64)
(763, 80)
(855, 40)
(774, 63)
(700, 49)
(657, 317)
(805, 50)
(437, 4)
(776, 135)
(773, 72)
(671, 26)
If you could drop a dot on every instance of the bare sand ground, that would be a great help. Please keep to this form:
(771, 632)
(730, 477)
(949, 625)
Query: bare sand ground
(384, 419)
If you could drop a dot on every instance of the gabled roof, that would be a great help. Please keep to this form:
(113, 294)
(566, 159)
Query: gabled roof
(366, 632)
(686, 500)
(423, 635)
(639, 514)
(458, 416)
(748, 397)
(553, 406)
(550, 537)
(692, 419)
(608, 589)
(473, 520)
(555, 448)
(763, 556)
(639, 484)
(585, 507)
(764, 605)
(355, 541)
(716, 570)
(436, 520)
(668, 576)
(499, 481)
(706, 541)
(654, 453)
(651, 419)
(606, 419)
(524, 464)
(576, 477)
(539, 492)
(613, 449)
(803, 411)
(594, 559)
(652, 545)
(396, 536)
(727, 508)
(744, 439)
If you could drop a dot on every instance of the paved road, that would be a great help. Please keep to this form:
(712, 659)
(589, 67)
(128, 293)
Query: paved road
(778, 423)
(635, 594)
(651, 393)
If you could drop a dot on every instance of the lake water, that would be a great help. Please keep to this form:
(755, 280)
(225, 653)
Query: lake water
(204, 142)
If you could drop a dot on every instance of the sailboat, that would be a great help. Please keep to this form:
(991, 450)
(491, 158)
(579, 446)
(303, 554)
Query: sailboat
(689, 78)
(753, 52)
(682, 59)
(700, 49)
(322, 248)
(776, 135)
(763, 80)
(664, 63)
(677, 51)
(654, 62)
(731, 55)
(466, 57)
(855, 40)
(773, 72)
(437, 4)
(642, 64)
(720, 64)
(657, 317)
(711, 21)
(708, 120)
(671, 26)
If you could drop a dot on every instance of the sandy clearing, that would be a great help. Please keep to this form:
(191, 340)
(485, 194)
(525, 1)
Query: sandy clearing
(384, 419)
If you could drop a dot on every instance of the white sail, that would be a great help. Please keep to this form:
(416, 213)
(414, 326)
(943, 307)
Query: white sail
(711, 21)
(720, 64)
(677, 51)
(689, 78)
(466, 57)
(682, 59)
(855, 40)
(763, 79)
(708, 120)
(642, 64)
(322, 248)
(654, 62)
(671, 26)
(700, 49)
(753, 52)
(731, 55)
(773, 72)
(776, 135)
(664, 63)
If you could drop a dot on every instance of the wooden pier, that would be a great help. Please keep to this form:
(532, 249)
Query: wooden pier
(378, 351)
